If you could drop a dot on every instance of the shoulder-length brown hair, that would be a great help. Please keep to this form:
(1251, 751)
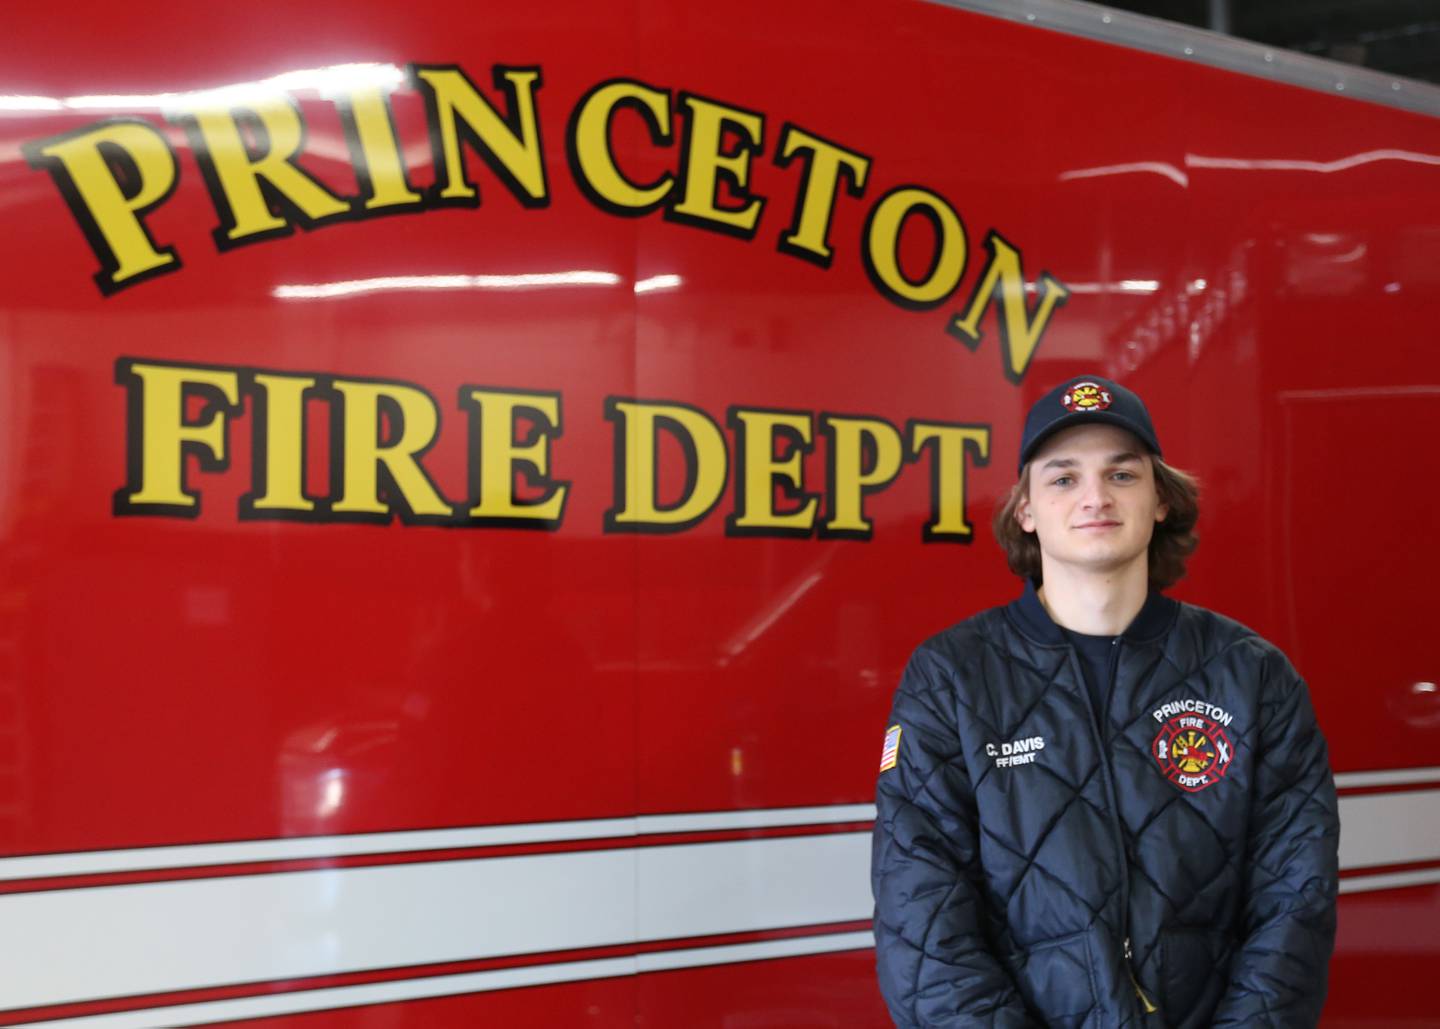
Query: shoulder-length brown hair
(1173, 542)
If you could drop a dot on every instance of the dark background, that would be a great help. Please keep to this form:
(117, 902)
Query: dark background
(1400, 37)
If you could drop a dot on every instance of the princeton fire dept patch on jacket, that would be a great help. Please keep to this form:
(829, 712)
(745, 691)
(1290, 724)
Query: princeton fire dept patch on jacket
(1192, 749)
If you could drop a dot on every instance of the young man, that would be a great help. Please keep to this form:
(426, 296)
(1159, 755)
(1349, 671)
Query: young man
(1098, 806)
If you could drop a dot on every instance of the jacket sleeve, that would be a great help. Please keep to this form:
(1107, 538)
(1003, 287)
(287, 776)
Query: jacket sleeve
(1278, 975)
(935, 967)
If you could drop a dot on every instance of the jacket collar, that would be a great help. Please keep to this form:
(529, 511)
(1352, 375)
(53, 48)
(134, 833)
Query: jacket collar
(1154, 619)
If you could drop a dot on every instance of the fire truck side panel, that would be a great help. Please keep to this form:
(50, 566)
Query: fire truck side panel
(471, 479)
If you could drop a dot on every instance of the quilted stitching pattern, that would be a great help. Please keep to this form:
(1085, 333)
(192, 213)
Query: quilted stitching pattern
(1000, 895)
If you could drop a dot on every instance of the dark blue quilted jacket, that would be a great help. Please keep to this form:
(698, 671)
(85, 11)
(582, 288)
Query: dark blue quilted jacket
(1033, 867)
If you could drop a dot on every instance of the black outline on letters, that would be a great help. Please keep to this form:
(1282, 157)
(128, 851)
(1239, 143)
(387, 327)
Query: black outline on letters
(657, 137)
(792, 492)
(542, 429)
(260, 448)
(216, 406)
(996, 301)
(845, 177)
(867, 450)
(915, 452)
(465, 135)
(80, 211)
(386, 490)
(682, 175)
(276, 202)
(880, 285)
(365, 185)
(692, 461)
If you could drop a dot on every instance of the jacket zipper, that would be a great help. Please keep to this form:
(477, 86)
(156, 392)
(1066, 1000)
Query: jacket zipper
(1126, 952)
(1150, 1008)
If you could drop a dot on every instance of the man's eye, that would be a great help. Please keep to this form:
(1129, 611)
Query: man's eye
(1124, 476)
(1063, 480)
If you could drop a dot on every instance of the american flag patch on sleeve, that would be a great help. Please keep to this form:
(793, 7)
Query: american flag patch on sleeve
(891, 753)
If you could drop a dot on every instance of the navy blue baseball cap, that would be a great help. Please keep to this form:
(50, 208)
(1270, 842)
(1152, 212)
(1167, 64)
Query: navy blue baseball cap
(1084, 400)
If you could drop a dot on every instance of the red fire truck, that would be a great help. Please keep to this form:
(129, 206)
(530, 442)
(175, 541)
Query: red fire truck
(470, 477)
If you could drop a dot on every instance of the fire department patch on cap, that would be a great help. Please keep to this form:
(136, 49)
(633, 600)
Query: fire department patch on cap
(1086, 396)
(1192, 751)
(890, 753)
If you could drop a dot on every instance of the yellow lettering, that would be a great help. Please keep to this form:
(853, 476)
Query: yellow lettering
(497, 455)
(590, 148)
(278, 454)
(235, 172)
(1020, 328)
(111, 176)
(882, 248)
(369, 466)
(864, 457)
(379, 166)
(511, 146)
(637, 467)
(948, 444)
(809, 234)
(759, 473)
(705, 163)
(160, 435)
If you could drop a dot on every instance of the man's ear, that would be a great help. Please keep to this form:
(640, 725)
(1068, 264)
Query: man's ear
(1024, 516)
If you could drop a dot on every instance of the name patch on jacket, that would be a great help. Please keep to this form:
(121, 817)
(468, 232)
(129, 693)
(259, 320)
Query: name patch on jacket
(1192, 748)
(1016, 752)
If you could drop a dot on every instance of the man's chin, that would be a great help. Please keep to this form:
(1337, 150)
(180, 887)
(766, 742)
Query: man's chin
(1102, 560)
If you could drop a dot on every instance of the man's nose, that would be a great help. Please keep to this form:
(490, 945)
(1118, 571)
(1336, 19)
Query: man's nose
(1097, 495)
